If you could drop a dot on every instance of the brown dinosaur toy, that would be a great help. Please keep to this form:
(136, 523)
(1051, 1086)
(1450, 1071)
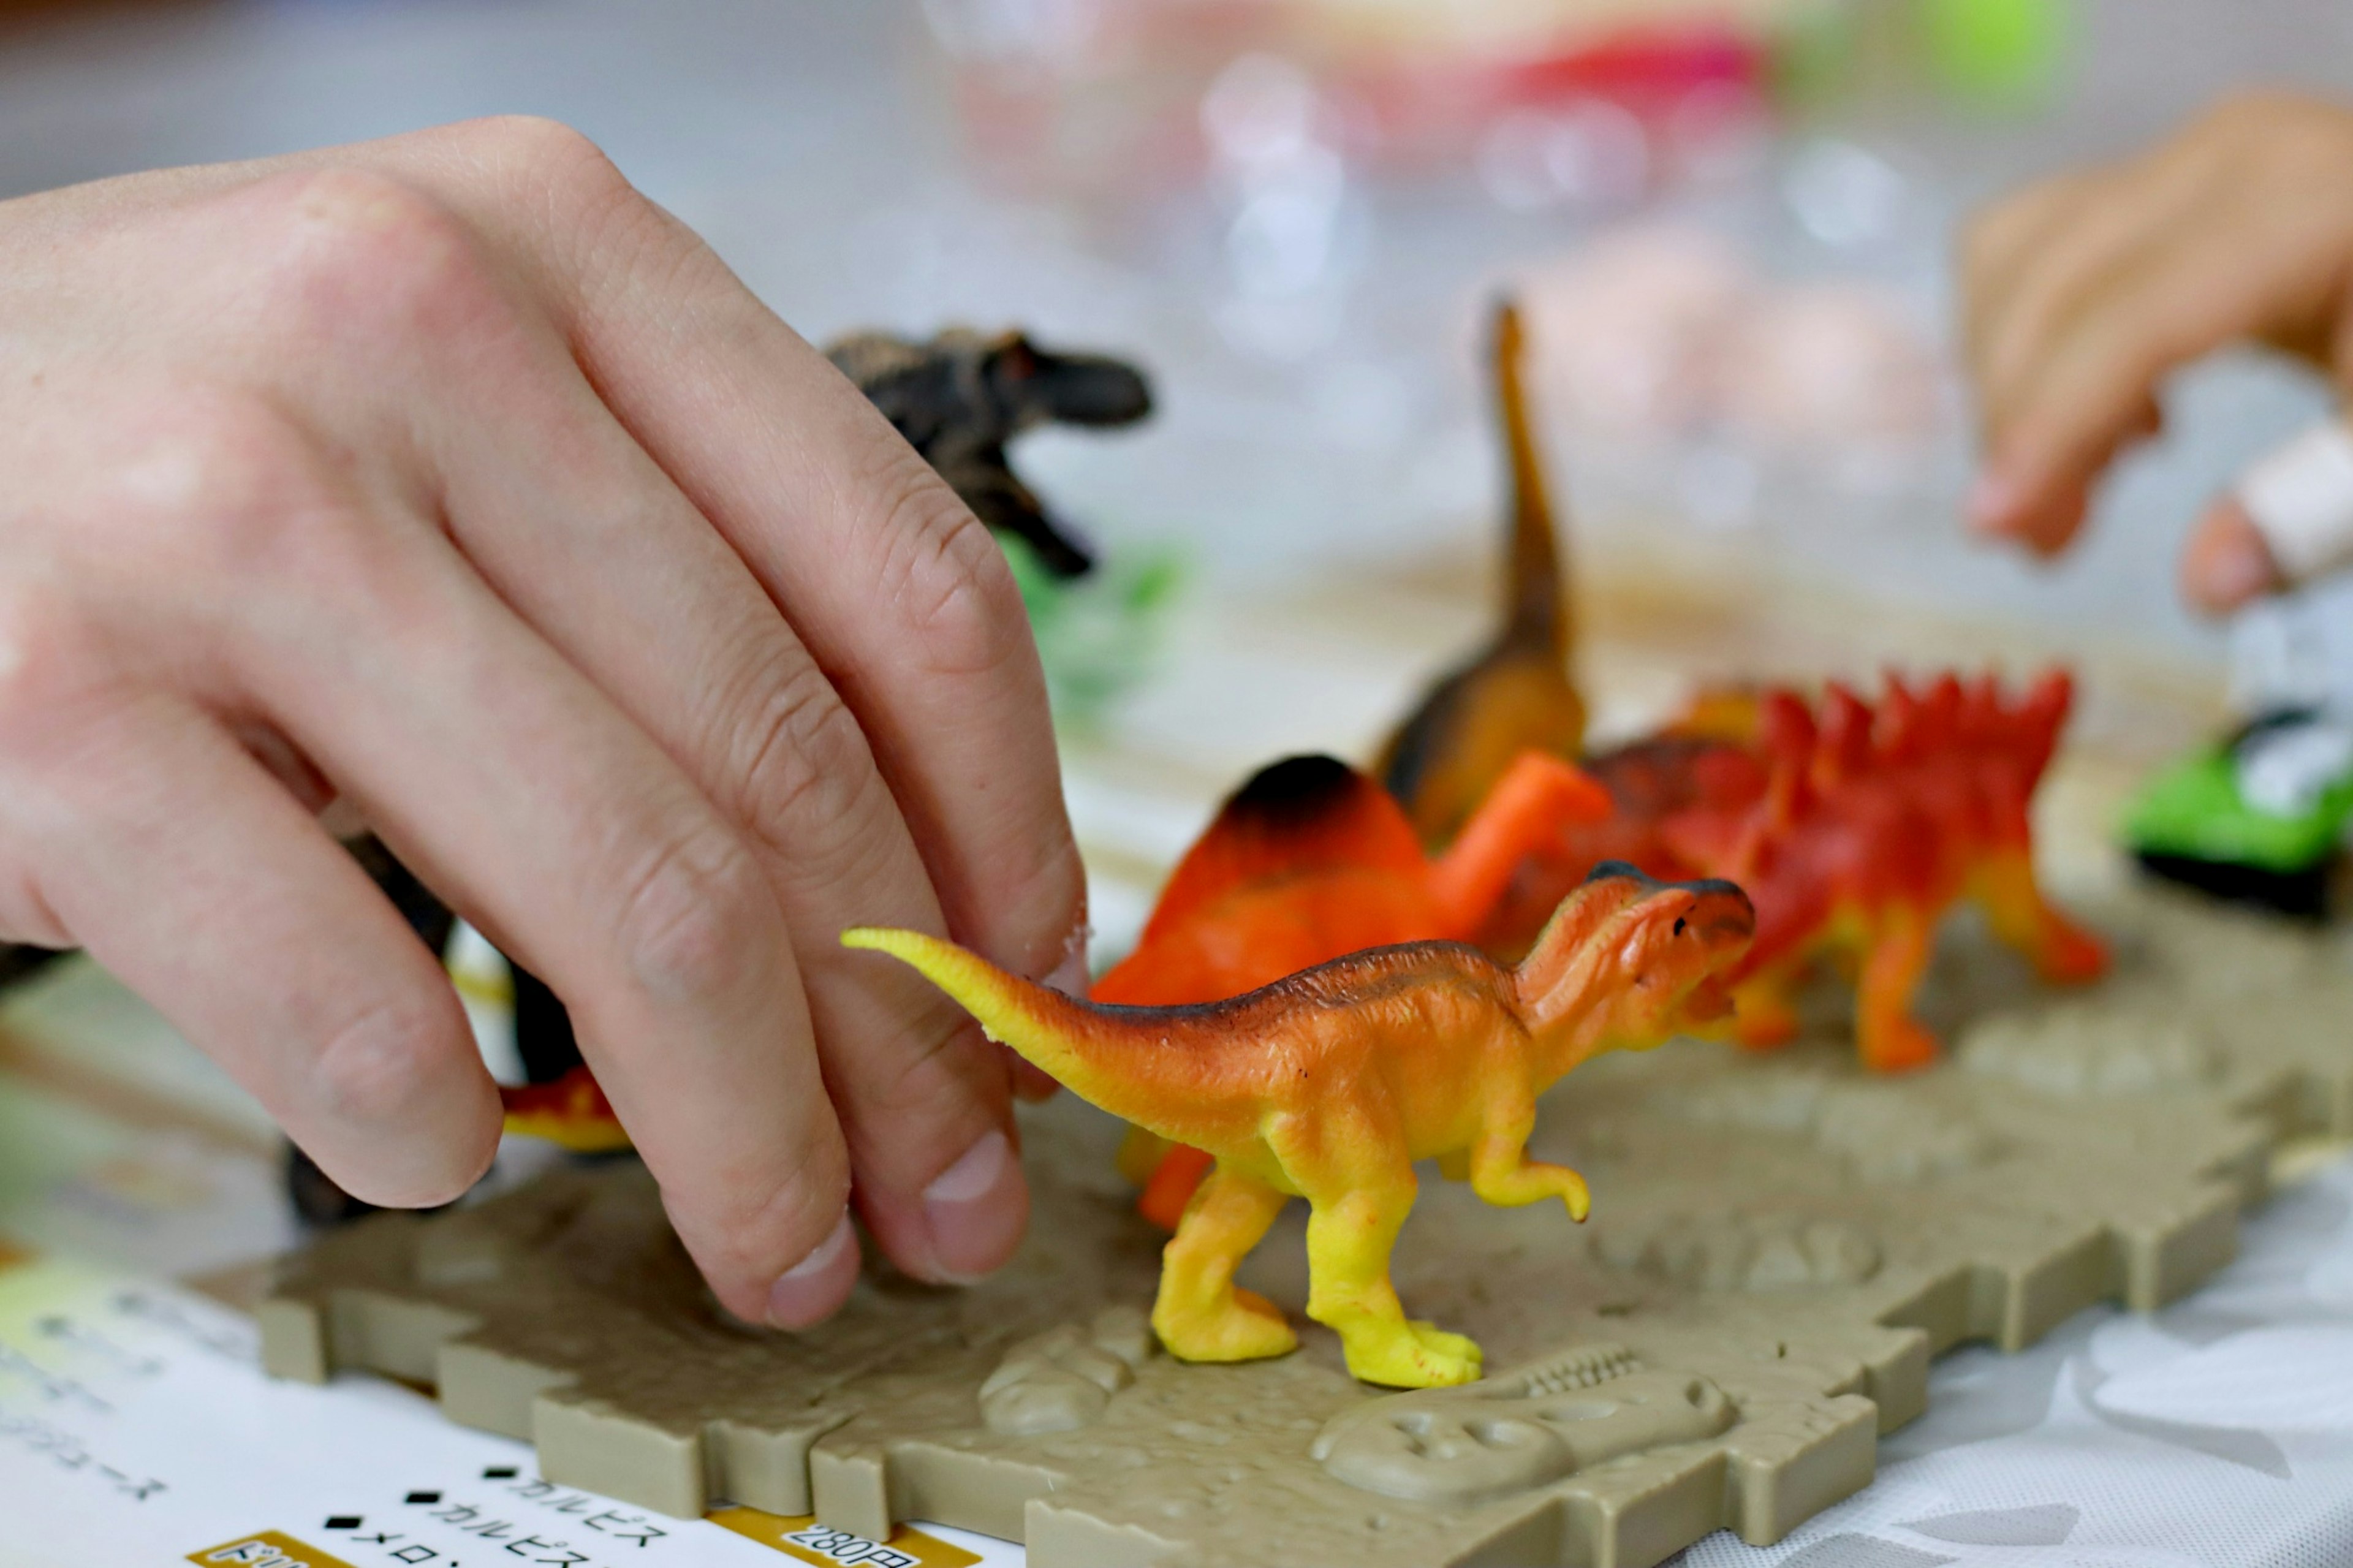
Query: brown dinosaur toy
(1329, 1084)
(960, 396)
(1517, 696)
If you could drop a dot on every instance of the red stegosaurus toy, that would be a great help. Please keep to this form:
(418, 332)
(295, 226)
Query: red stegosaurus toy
(1853, 828)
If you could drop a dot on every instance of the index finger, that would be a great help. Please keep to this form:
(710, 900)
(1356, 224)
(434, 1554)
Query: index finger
(898, 592)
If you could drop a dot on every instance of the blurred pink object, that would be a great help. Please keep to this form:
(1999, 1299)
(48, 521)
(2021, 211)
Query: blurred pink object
(1660, 333)
(1627, 329)
(1830, 364)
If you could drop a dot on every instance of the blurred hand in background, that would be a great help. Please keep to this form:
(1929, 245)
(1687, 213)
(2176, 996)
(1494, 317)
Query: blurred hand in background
(2082, 292)
(448, 480)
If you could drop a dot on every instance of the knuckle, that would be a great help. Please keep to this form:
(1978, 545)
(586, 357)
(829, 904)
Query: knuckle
(699, 916)
(359, 252)
(802, 775)
(233, 488)
(46, 653)
(758, 1221)
(802, 1202)
(574, 194)
(564, 157)
(938, 1077)
(956, 590)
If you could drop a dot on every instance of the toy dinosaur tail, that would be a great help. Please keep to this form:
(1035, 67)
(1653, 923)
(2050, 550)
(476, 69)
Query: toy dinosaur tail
(1153, 1065)
(571, 1110)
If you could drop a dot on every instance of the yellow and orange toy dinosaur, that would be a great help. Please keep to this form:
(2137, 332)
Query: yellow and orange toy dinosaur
(1308, 862)
(571, 1111)
(1329, 1084)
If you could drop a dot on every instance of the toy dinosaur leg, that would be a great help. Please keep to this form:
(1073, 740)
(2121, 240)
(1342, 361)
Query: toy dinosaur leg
(1892, 1040)
(2059, 950)
(1171, 1186)
(1763, 1016)
(1201, 1314)
(1524, 814)
(1503, 1174)
(1140, 1154)
(1360, 1188)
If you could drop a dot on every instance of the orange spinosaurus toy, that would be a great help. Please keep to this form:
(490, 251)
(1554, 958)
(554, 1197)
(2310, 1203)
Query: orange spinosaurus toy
(1328, 1084)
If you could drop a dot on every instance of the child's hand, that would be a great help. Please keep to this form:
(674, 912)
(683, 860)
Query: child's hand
(449, 479)
(2085, 290)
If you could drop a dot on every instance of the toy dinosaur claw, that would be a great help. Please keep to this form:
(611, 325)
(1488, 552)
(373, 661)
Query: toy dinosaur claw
(1246, 1327)
(2069, 957)
(1899, 1046)
(1411, 1355)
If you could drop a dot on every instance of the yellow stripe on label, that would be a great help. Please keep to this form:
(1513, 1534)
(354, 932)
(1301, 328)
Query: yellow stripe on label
(267, 1548)
(810, 1541)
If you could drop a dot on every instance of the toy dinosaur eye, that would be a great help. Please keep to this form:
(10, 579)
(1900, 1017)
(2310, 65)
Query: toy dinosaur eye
(1678, 925)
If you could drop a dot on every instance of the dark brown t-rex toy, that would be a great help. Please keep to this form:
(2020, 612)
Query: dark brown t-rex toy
(960, 396)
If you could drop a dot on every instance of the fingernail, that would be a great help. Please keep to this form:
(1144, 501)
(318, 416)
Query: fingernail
(1072, 977)
(1992, 502)
(810, 1290)
(2239, 572)
(2228, 563)
(976, 1209)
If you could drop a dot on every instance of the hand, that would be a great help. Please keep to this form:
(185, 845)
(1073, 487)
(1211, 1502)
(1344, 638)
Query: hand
(448, 478)
(2084, 291)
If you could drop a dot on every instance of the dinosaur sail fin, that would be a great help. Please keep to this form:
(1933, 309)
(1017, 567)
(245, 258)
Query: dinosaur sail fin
(1301, 814)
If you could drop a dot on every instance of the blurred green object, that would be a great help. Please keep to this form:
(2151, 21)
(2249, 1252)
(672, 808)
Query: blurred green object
(1997, 55)
(2193, 809)
(1997, 52)
(1815, 56)
(1097, 635)
(2194, 824)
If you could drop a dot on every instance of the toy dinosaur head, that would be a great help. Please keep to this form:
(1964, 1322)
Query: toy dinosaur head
(1628, 960)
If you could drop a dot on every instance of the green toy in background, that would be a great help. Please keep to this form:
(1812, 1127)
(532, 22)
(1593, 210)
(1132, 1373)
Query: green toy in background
(1997, 53)
(2260, 819)
(960, 397)
(1097, 635)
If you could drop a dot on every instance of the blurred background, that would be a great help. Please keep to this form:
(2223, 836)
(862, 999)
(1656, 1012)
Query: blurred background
(1731, 221)
(1732, 218)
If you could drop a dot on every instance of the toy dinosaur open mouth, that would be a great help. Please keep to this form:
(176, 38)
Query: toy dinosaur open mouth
(1708, 1001)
